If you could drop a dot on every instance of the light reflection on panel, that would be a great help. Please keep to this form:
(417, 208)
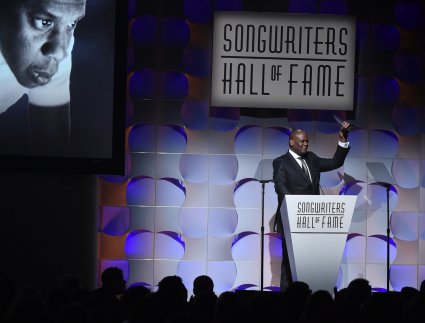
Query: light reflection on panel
(169, 192)
(141, 191)
(406, 172)
(354, 252)
(171, 139)
(275, 141)
(139, 245)
(248, 220)
(114, 220)
(402, 276)
(382, 144)
(193, 222)
(404, 225)
(407, 252)
(246, 247)
(169, 245)
(358, 139)
(377, 195)
(142, 138)
(194, 168)
(249, 140)
(223, 274)
(249, 166)
(247, 194)
(222, 222)
(376, 250)
(223, 169)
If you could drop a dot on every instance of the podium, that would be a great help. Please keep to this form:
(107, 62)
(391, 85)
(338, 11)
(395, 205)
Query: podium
(316, 228)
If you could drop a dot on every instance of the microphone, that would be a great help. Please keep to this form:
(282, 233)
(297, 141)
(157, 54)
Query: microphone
(345, 131)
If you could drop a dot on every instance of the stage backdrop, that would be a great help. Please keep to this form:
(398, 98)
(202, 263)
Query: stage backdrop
(190, 202)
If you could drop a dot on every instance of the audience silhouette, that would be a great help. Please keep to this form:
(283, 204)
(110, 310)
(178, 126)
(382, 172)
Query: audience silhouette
(113, 302)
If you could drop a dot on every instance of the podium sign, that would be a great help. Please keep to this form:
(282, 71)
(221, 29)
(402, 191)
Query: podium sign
(316, 228)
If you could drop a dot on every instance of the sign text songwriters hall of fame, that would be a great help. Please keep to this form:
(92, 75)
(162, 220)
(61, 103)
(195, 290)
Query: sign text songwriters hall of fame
(277, 60)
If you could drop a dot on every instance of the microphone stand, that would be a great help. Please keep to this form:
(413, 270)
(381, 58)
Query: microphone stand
(263, 183)
(388, 187)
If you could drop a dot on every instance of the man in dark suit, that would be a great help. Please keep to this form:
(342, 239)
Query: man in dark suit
(298, 173)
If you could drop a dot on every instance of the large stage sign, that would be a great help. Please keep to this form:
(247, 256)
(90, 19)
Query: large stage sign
(278, 60)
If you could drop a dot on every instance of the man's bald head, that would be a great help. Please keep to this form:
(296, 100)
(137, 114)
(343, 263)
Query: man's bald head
(298, 142)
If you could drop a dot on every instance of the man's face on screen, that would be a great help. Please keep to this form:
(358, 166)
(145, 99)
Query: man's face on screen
(35, 36)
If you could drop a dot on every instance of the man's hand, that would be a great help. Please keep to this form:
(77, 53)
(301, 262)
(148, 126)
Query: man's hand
(343, 133)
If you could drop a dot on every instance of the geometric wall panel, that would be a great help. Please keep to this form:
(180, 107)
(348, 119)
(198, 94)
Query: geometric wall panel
(193, 222)
(223, 274)
(404, 225)
(223, 169)
(139, 245)
(249, 140)
(169, 192)
(141, 191)
(114, 220)
(246, 247)
(376, 249)
(382, 144)
(402, 276)
(169, 245)
(171, 139)
(222, 222)
(194, 168)
(406, 173)
(247, 194)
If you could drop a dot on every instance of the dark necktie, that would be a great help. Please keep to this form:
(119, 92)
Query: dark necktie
(304, 167)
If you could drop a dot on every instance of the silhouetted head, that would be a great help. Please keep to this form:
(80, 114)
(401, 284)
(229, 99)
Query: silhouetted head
(113, 280)
(202, 284)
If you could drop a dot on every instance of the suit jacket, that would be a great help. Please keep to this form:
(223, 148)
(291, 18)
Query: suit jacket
(289, 178)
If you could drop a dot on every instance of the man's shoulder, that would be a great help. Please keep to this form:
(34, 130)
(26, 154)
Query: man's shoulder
(281, 157)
